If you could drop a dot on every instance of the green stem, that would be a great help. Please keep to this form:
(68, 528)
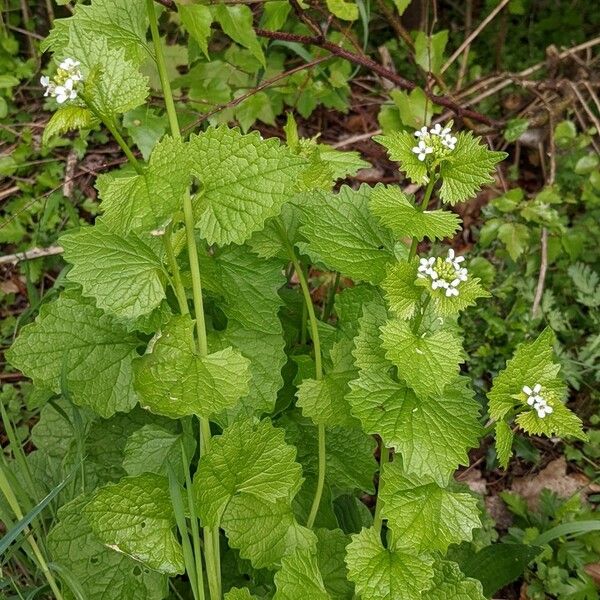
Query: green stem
(14, 505)
(419, 317)
(384, 458)
(162, 71)
(126, 149)
(328, 307)
(211, 535)
(423, 206)
(314, 332)
(175, 272)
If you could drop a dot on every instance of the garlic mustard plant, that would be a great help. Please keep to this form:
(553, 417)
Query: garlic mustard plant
(226, 428)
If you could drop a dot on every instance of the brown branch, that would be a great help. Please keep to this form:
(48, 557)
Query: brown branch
(365, 61)
(265, 84)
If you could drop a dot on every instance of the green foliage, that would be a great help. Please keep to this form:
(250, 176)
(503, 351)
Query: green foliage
(248, 469)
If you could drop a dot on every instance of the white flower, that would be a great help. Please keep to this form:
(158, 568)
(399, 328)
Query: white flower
(454, 260)
(65, 92)
(422, 132)
(445, 273)
(538, 402)
(49, 85)
(69, 64)
(451, 291)
(422, 150)
(448, 140)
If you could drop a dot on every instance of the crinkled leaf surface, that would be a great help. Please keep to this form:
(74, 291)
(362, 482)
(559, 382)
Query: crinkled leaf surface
(299, 577)
(144, 202)
(343, 235)
(122, 22)
(264, 531)
(239, 594)
(424, 516)
(533, 363)
(112, 84)
(122, 273)
(400, 290)
(135, 517)
(246, 290)
(427, 362)
(244, 181)
(331, 550)
(155, 449)
(174, 380)
(468, 293)
(100, 571)
(68, 118)
(399, 145)
(393, 208)
(450, 584)
(469, 166)
(248, 458)
(383, 574)
(504, 442)
(94, 352)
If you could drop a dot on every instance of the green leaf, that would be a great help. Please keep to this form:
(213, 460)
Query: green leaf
(236, 22)
(469, 166)
(122, 22)
(386, 574)
(515, 128)
(101, 572)
(343, 9)
(331, 550)
(245, 180)
(324, 401)
(427, 362)
(432, 434)
(239, 594)
(250, 459)
(499, 564)
(515, 236)
(129, 200)
(400, 290)
(415, 108)
(153, 449)
(350, 463)
(71, 337)
(344, 164)
(174, 380)
(197, 19)
(450, 584)
(504, 442)
(135, 517)
(145, 128)
(401, 6)
(396, 211)
(423, 516)
(122, 273)
(246, 290)
(429, 51)
(533, 363)
(299, 577)
(399, 145)
(264, 531)
(68, 118)
(343, 235)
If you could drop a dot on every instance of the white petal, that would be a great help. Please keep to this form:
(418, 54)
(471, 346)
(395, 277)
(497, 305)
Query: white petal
(527, 390)
(537, 388)
(530, 401)
(421, 157)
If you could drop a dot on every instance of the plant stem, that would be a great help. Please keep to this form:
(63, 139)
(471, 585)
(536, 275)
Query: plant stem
(162, 71)
(328, 307)
(384, 458)
(126, 149)
(423, 206)
(419, 316)
(211, 535)
(14, 505)
(314, 332)
(175, 272)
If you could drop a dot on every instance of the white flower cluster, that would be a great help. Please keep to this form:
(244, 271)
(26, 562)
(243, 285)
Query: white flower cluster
(446, 274)
(64, 85)
(538, 402)
(430, 140)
